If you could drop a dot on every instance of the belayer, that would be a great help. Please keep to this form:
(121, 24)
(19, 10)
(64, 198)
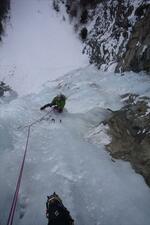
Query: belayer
(58, 103)
(56, 212)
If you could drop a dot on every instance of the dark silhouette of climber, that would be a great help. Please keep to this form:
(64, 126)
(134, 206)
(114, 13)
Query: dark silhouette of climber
(56, 212)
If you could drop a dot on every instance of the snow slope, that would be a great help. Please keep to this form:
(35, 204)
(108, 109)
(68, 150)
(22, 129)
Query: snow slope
(38, 46)
(68, 157)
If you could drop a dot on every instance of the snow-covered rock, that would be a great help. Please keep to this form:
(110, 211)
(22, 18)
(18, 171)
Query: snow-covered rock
(130, 132)
(114, 30)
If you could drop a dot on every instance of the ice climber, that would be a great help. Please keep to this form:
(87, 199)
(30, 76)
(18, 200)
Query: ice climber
(58, 103)
(56, 212)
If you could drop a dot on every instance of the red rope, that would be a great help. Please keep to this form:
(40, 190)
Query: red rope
(15, 198)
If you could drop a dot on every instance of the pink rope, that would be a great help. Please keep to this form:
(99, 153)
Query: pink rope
(15, 198)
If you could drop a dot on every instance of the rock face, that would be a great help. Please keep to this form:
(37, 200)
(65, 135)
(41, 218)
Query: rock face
(7, 94)
(107, 39)
(130, 132)
(118, 31)
(4, 88)
(137, 56)
(4, 7)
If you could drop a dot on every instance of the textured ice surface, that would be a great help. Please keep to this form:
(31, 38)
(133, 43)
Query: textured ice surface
(68, 157)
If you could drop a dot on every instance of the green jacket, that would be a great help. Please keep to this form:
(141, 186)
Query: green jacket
(59, 101)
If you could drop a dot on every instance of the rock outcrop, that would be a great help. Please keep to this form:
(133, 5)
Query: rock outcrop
(7, 94)
(4, 88)
(4, 7)
(108, 37)
(137, 55)
(118, 31)
(130, 132)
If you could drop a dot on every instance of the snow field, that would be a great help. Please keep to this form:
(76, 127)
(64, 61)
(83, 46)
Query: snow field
(38, 46)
